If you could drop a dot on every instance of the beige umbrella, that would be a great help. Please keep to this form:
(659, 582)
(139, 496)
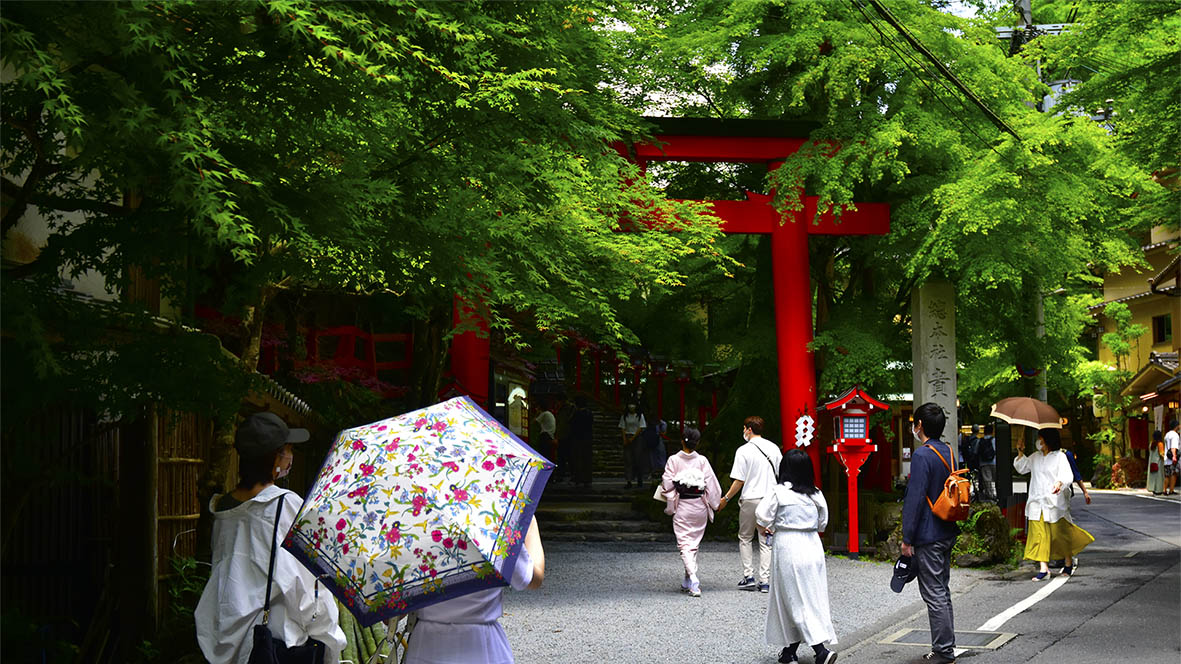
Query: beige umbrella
(1028, 412)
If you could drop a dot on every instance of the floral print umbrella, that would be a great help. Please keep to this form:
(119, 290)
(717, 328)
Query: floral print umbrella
(419, 508)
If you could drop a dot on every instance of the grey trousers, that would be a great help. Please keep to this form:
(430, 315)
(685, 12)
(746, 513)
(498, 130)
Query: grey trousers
(934, 571)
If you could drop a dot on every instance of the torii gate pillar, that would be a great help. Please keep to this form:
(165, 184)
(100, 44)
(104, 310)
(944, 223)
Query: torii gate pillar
(793, 328)
(769, 142)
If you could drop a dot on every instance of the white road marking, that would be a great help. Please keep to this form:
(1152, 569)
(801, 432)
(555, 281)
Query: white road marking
(1003, 617)
(1130, 554)
(1162, 500)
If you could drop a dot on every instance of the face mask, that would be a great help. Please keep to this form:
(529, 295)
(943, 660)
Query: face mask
(1041, 447)
(914, 432)
(282, 472)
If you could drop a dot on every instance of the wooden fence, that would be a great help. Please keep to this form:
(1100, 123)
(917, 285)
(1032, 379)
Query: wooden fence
(183, 443)
(59, 505)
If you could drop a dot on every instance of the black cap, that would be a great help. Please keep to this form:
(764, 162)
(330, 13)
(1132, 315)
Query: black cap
(904, 572)
(265, 433)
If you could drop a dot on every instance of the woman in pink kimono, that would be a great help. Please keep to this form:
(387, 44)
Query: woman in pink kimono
(693, 492)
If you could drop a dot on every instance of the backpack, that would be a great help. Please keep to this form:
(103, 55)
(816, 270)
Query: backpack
(954, 503)
(968, 451)
(987, 449)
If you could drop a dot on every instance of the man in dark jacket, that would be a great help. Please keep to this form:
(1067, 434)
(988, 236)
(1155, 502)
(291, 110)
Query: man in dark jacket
(926, 537)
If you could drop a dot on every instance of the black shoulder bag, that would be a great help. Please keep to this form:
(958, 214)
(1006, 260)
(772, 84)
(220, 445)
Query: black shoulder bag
(268, 648)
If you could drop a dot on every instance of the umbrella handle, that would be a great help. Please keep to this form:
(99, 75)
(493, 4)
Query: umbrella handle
(400, 640)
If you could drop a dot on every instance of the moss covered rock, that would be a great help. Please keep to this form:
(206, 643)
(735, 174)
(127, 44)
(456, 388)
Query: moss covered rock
(985, 537)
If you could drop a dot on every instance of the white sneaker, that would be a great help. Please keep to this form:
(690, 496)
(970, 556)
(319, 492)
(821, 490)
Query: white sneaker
(695, 590)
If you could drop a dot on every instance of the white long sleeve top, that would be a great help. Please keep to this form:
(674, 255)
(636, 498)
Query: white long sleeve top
(1044, 470)
(784, 509)
(231, 604)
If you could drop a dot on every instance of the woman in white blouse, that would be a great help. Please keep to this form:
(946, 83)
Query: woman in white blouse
(1051, 534)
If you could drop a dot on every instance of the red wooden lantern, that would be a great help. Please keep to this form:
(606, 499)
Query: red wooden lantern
(852, 445)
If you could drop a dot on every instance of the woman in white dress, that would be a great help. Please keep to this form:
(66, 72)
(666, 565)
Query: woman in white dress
(467, 629)
(1051, 534)
(793, 514)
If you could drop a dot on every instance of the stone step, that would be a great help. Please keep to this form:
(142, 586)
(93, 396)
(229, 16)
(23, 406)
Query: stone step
(607, 526)
(595, 536)
(586, 511)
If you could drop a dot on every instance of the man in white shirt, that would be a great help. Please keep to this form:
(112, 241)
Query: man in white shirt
(1172, 450)
(755, 474)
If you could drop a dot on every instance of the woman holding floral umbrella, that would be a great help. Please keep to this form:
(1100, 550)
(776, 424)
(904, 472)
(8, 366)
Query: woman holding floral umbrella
(692, 490)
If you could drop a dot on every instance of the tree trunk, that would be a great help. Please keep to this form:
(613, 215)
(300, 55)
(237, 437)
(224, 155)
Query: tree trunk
(430, 356)
(216, 476)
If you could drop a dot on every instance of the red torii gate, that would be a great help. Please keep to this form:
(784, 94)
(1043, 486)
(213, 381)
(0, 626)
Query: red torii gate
(741, 141)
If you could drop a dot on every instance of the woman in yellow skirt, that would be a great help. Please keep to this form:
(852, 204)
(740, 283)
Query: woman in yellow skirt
(1051, 534)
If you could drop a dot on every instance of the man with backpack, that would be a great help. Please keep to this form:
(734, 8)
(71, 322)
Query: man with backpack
(927, 538)
(986, 454)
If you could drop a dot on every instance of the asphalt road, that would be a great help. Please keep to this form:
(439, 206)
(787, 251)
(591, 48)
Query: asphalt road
(620, 603)
(1123, 604)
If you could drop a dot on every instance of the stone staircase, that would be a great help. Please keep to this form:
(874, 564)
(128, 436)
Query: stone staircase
(604, 512)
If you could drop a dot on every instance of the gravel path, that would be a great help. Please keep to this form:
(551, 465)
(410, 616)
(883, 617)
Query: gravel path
(622, 603)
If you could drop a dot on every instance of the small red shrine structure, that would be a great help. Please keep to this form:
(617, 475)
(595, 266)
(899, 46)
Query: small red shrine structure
(852, 445)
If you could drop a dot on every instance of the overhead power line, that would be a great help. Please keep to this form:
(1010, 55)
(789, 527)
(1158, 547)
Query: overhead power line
(922, 75)
(918, 46)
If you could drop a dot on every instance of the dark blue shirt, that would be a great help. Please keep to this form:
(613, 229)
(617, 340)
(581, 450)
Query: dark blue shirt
(927, 475)
(1078, 477)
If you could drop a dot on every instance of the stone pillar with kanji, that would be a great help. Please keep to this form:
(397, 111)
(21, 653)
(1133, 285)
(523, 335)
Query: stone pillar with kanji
(852, 445)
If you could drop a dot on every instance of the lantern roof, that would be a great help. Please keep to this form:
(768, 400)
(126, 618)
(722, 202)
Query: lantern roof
(855, 396)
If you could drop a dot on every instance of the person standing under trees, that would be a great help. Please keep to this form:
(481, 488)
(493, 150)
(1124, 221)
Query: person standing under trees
(793, 514)
(244, 536)
(563, 411)
(755, 474)
(547, 425)
(579, 438)
(986, 454)
(1156, 463)
(926, 538)
(1172, 457)
(631, 424)
(654, 444)
(692, 491)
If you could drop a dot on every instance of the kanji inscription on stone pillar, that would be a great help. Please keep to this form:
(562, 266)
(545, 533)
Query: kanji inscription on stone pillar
(933, 350)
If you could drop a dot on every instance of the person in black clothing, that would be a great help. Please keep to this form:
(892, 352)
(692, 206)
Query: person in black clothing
(986, 456)
(925, 537)
(579, 436)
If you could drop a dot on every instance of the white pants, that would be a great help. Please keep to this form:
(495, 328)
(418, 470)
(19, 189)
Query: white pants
(747, 532)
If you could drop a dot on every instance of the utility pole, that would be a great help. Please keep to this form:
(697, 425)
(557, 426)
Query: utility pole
(1040, 331)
